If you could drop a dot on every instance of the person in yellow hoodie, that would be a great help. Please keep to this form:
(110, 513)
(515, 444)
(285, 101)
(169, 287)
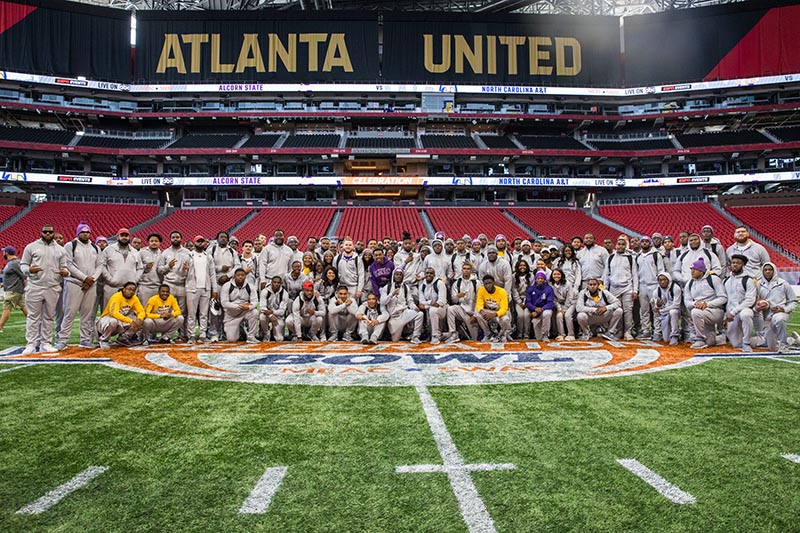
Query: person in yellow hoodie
(162, 315)
(491, 306)
(123, 316)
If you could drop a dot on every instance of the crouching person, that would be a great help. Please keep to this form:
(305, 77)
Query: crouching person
(239, 299)
(342, 315)
(540, 300)
(123, 316)
(162, 316)
(667, 300)
(598, 307)
(399, 301)
(372, 320)
(705, 297)
(776, 303)
(491, 306)
(308, 312)
(274, 302)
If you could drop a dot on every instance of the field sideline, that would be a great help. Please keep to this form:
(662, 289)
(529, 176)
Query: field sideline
(185, 455)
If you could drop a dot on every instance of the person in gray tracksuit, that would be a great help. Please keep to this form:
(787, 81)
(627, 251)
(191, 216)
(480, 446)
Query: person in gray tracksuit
(649, 263)
(173, 268)
(433, 302)
(274, 302)
(399, 299)
(705, 297)
(463, 292)
(226, 261)
(598, 307)
(275, 259)
(351, 270)
(151, 279)
(621, 278)
(121, 263)
(742, 292)
(776, 303)
(201, 288)
(239, 299)
(593, 260)
(80, 294)
(45, 264)
(307, 311)
(372, 319)
(342, 310)
(499, 269)
(757, 256)
(667, 302)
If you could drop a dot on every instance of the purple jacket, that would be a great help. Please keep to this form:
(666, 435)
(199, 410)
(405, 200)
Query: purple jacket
(380, 275)
(543, 297)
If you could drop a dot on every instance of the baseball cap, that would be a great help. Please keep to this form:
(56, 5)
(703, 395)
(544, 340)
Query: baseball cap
(308, 285)
(120, 231)
(199, 238)
(10, 250)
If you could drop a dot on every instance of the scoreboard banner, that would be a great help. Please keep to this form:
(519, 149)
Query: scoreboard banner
(65, 39)
(255, 46)
(507, 50)
(397, 181)
(739, 40)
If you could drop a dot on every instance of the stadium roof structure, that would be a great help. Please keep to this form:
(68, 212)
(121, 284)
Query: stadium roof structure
(566, 7)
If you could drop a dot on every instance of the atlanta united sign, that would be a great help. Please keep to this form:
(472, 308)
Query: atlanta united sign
(389, 364)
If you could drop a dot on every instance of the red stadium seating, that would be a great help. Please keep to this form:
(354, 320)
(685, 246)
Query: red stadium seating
(205, 221)
(670, 219)
(563, 223)
(362, 223)
(301, 222)
(457, 221)
(778, 222)
(8, 211)
(104, 219)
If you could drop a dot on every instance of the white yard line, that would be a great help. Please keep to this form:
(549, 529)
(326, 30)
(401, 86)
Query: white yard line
(62, 491)
(662, 486)
(265, 489)
(473, 510)
(792, 457)
(785, 360)
(14, 368)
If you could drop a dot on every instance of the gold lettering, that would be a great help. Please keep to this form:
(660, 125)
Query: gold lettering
(474, 55)
(171, 55)
(491, 54)
(313, 40)
(216, 65)
(288, 56)
(337, 55)
(195, 40)
(430, 66)
(250, 54)
(512, 42)
(535, 55)
(561, 66)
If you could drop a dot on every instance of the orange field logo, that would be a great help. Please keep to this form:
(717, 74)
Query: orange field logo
(387, 364)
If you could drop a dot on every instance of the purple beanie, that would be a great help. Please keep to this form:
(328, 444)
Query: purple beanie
(83, 226)
(700, 265)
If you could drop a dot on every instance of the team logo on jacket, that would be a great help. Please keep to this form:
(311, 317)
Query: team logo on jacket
(387, 364)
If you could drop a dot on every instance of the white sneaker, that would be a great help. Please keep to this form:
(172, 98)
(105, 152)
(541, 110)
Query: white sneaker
(436, 340)
(628, 337)
(347, 338)
(569, 338)
(49, 348)
(416, 340)
(29, 350)
(453, 339)
(314, 338)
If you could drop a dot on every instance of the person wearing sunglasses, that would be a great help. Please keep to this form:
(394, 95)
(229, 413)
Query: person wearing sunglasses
(45, 264)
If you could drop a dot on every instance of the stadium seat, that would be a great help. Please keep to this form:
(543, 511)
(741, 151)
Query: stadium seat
(104, 219)
(362, 223)
(562, 223)
(457, 221)
(671, 219)
(205, 221)
(778, 222)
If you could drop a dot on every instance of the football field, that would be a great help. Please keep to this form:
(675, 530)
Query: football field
(708, 446)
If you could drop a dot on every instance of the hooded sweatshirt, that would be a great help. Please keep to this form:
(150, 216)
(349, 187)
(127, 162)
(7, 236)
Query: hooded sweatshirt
(777, 291)
(671, 297)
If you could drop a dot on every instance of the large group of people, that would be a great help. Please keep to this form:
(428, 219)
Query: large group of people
(438, 290)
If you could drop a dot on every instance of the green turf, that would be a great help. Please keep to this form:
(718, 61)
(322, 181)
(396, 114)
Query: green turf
(184, 454)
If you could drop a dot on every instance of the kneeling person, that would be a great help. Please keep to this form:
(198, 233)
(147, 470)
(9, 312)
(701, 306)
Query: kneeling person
(123, 316)
(162, 315)
(371, 320)
(239, 299)
(491, 306)
(308, 312)
(342, 315)
(598, 307)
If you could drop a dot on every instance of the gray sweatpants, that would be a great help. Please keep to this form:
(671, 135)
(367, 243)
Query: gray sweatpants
(78, 301)
(164, 327)
(196, 305)
(41, 304)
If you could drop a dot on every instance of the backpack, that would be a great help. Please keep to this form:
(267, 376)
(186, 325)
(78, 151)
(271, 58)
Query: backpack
(214, 251)
(75, 245)
(246, 286)
(705, 251)
(453, 259)
(612, 256)
(602, 292)
(671, 291)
